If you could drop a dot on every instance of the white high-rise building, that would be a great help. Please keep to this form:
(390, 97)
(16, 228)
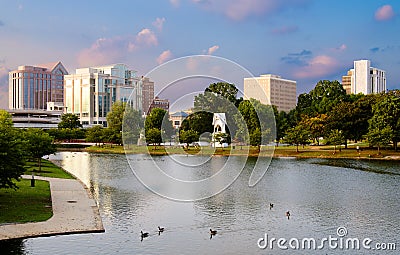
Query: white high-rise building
(365, 79)
(272, 90)
(92, 91)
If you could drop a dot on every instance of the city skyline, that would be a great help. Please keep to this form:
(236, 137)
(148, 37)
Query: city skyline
(301, 40)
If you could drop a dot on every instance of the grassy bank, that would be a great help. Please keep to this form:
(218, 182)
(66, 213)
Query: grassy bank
(26, 204)
(48, 169)
(30, 204)
(279, 151)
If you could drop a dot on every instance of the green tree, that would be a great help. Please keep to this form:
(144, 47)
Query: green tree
(386, 112)
(39, 144)
(153, 136)
(155, 119)
(336, 137)
(188, 137)
(316, 125)
(95, 134)
(282, 125)
(256, 116)
(379, 136)
(132, 125)
(226, 90)
(297, 135)
(255, 138)
(12, 152)
(220, 98)
(70, 121)
(201, 122)
(325, 95)
(221, 138)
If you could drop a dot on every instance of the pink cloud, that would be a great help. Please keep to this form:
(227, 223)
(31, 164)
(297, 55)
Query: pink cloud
(159, 23)
(212, 49)
(384, 13)
(241, 9)
(164, 56)
(317, 67)
(104, 51)
(115, 49)
(146, 37)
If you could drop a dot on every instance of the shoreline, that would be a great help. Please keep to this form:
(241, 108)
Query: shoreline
(287, 153)
(74, 212)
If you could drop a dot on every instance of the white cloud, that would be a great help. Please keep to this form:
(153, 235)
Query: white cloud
(164, 56)
(159, 23)
(384, 13)
(212, 49)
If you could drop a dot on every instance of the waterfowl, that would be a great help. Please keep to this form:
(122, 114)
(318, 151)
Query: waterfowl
(271, 206)
(287, 214)
(160, 229)
(145, 234)
(213, 232)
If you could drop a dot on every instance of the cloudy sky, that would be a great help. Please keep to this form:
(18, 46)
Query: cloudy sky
(303, 40)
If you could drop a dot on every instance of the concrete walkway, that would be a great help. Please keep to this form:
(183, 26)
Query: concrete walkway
(73, 212)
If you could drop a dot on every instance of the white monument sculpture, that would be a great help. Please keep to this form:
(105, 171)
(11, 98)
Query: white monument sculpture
(219, 123)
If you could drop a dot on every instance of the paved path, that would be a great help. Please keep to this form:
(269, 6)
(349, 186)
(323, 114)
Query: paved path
(73, 212)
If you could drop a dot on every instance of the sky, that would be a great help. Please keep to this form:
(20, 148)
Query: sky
(302, 40)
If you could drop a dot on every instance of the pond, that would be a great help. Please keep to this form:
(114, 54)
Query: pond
(338, 200)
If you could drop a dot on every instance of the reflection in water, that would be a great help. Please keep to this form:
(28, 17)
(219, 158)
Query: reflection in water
(15, 246)
(320, 198)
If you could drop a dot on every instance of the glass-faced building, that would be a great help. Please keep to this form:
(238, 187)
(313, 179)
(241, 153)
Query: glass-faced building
(32, 87)
(91, 92)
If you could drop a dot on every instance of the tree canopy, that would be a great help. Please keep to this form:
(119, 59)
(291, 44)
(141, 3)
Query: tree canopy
(12, 152)
(39, 144)
(70, 121)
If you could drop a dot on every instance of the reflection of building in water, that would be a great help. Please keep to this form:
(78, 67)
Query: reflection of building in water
(219, 123)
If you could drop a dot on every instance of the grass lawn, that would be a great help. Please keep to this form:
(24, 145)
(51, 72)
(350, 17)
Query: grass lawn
(26, 204)
(48, 170)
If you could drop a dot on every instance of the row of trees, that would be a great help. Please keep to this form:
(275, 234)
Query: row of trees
(17, 146)
(328, 112)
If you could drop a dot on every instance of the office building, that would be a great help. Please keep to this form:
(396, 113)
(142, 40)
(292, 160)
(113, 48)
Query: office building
(31, 87)
(159, 103)
(148, 94)
(272, 89)
(364, 79)
(91, 92)
(346, 81)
